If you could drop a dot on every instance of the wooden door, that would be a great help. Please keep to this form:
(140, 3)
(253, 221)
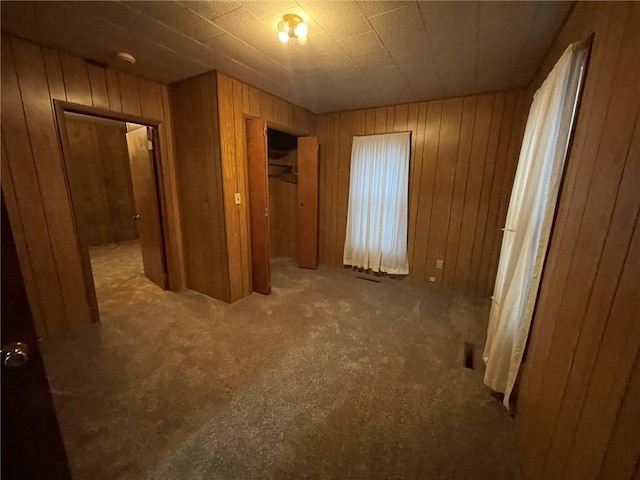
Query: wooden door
(145, 194)
(307, 250)
(257, 164)
(31, 442)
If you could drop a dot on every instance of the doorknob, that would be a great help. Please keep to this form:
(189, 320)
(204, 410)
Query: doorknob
(15, 355)
(136, 217)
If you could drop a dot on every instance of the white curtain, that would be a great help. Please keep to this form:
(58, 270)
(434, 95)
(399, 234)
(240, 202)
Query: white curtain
(529, 219)
(378, 203)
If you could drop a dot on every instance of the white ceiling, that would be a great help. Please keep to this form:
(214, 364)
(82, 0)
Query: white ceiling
(359, 53)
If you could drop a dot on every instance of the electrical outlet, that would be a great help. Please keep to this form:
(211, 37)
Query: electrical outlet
(432, 279)
(439, 264)
(238, 199)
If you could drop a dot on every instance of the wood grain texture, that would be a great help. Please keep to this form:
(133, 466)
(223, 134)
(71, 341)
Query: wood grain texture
(578, 389)
(145, 193)
(460, 167)
(259, 205)
(33, 76)
(238, 101)
(98, 173)
(197, 143)
(283, 218)
(307, 223)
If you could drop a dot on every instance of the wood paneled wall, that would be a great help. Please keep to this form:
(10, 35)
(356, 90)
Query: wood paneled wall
(99, 174)
(464, 152)
(33, 174)
(283, 217)
(578, 406)
(194, 105)
(236, 102)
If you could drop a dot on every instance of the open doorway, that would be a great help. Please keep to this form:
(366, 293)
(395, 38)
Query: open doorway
(283, 174)
(282, 154)
(112, 181)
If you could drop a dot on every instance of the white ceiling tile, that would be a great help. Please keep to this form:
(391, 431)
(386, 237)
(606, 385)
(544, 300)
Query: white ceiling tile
(238, 22)
(377, 7)
(211, 9)
(336, 61)
(417, 51)
(178, 18)
(401, 31)
(451, 26)
(363, 44)
(500, 77)
(380, 59)
(243, 53)
(320, 45)
(458, 72)
(267, 9)
(499, 21)
(344, 23)
(321, 8)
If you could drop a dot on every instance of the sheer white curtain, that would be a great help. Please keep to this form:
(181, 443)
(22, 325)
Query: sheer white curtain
(378, 203)
(528, 225)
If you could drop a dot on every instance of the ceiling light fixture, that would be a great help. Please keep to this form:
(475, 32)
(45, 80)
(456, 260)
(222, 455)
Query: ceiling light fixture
(292, 29)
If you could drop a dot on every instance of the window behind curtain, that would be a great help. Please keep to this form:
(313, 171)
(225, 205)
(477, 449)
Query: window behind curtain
(378, 203)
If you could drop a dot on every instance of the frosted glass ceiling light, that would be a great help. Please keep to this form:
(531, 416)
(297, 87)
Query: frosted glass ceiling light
(292, 29)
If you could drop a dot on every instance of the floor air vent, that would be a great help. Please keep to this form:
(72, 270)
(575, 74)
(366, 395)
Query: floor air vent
(467, 355)
(368, 279)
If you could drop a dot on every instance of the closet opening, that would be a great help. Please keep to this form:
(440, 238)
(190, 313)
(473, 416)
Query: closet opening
(283, 174)
(282, 155)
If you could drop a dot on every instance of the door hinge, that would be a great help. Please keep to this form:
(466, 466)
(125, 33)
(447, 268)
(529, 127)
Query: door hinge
(149, 144)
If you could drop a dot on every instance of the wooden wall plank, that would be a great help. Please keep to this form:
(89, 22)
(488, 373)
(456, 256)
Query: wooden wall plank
(98, 84)
(11, 201)
(484, 284)
(60, 282)
(452, 141)
(624, 447)
(175, 255)
(459, 188)
(98, 172)
(515, 142)
(571, 201)
(129, 93)
(479, 144)
(200, 185)
(28, 201)
(113, 89)
(242, 183)
(54, 73)
(443, 187)
(238, 101)
(231, 159)
(432, 126)
(485, 191)
(34, 89)
(415, 177)
(587, 251)
(76, 79)
(577, 381)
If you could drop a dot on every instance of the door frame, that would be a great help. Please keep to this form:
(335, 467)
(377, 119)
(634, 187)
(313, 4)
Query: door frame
(60, 107)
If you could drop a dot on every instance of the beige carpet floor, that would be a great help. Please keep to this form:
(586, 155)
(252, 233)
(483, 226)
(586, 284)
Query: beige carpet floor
(330, 377)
